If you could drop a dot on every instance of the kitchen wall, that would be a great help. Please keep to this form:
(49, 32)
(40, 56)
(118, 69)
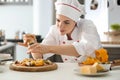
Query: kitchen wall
(16, 18)
(42, 16)
(99, 16)
(36, 18)
(114, 12)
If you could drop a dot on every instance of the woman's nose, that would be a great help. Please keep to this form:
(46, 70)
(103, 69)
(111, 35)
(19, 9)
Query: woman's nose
(61, 25)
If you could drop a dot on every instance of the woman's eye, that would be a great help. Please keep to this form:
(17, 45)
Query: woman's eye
(66, 22)
(57, 20)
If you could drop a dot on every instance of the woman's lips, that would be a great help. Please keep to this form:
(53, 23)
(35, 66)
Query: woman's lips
(61, 30)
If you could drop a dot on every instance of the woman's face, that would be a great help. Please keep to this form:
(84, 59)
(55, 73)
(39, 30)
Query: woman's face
(64, 24)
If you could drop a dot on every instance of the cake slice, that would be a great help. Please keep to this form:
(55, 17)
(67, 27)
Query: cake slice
(98, 66)
(88, 69)
(91, 69)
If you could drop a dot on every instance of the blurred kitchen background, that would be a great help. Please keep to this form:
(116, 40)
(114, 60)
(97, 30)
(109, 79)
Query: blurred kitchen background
(18, 17)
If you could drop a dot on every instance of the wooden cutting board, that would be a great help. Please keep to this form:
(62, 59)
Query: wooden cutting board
(50, 67)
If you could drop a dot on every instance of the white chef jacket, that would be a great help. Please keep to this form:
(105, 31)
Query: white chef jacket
(85, 40)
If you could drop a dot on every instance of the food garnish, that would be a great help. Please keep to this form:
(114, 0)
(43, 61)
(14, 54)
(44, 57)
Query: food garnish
(33, 62)
(101, 57)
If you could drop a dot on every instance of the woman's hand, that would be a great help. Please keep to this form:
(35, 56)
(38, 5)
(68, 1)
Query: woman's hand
(28, 39)
(38, 48)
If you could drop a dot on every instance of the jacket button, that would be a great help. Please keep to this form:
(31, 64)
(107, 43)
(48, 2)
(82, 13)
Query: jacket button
(63, 42)
(65, 59)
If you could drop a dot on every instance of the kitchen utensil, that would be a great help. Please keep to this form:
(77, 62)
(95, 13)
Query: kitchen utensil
(5, 57)
(115, 63)
(5, 60)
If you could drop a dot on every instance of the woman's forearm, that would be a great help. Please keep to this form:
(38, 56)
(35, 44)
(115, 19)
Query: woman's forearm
(37, 50)
(63, 50)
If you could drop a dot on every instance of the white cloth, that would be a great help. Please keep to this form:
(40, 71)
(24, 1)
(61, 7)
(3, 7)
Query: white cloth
(85, 40)
(74, 8)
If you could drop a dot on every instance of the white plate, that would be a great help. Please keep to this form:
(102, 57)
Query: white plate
(77, 71)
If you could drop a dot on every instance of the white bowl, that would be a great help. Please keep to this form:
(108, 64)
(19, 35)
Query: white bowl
(106, 66)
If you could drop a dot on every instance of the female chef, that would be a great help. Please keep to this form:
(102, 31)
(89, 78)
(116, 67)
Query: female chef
(72, 38)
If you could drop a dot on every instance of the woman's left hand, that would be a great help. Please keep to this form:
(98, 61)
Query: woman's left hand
(27, 39)
(38, 48)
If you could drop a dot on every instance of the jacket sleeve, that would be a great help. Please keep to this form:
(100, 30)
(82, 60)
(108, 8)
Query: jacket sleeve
(89, 40)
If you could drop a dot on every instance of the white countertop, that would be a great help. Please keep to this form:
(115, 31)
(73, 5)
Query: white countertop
(65, 71)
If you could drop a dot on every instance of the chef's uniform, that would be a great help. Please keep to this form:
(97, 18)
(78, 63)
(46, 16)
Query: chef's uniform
(85, 39)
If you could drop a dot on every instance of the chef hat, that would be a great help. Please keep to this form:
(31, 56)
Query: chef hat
(69, 8)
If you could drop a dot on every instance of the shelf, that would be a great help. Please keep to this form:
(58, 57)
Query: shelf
(111, 42)
(115, 33)
(16, 2)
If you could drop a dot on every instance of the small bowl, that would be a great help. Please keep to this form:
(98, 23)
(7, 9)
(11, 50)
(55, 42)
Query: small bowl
(106, 66)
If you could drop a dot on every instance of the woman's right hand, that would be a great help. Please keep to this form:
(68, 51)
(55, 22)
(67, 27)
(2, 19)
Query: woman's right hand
(28, 39)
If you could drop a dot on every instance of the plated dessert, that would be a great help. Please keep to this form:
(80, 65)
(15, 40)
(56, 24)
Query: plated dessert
(94, 66)
(33, 65)
(92, 70)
